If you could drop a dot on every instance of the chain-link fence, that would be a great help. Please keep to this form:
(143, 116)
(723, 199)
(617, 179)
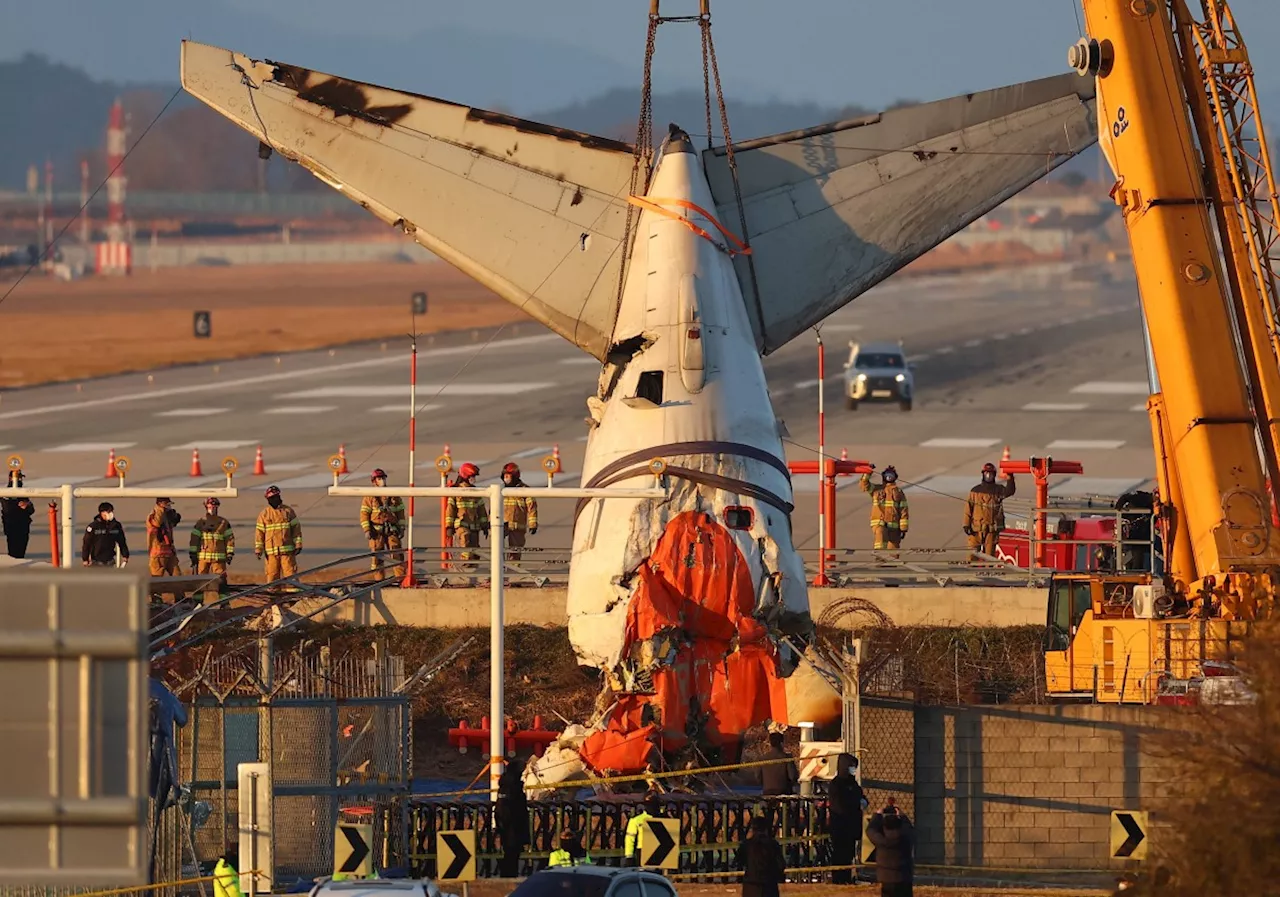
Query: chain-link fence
(335, 733)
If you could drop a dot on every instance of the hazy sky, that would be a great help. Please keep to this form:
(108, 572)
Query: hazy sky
(829, 51)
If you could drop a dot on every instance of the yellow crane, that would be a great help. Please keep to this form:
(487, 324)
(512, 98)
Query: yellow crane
(1179, 125)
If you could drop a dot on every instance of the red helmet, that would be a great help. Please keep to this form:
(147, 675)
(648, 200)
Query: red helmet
(988, 468)
(512, 468)
(212, 502)
(469, 470)
(272, 491)
(378, 474)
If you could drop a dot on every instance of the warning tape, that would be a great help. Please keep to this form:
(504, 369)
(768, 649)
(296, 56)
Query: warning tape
(163, 884)
(655, 204)
(643, 777)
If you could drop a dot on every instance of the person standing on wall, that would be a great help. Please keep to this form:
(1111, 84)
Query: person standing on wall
(278, 537)
(15, 515)
(984, 511)
(519, 515)
(382, 519)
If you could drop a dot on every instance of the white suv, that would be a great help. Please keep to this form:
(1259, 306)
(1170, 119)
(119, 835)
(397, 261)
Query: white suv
(878, 372)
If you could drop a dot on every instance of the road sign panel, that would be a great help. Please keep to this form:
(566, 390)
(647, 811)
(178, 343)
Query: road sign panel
(420, 303)
(202, 324)
(14, 462)
(456, 856)
(253, 781)
(868, 849)
(353, 850)
(73, 787)
(818, 760)
(660, 844)
(1128, 835)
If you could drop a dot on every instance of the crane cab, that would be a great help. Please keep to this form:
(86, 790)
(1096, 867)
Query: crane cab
(1119, 639)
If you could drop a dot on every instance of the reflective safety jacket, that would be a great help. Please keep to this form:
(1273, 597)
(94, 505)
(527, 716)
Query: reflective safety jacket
(520, 513)
(212, 539)
(278, 531)
(562, 857)
(888, 504)
(160, 533)
(226, 883)
(381, 516)
(985, 509)
(466, 511)
(635, 833)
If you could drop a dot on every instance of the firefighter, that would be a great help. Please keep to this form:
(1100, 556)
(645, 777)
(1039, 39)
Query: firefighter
(382, 519)
(466, 519)
(889, 520)
(16, 514)
(278, 536)
(984, 511)
(213, 543)
(103, 537)
(162, 554)
(519, 515)
(634, 840)
(569, 851)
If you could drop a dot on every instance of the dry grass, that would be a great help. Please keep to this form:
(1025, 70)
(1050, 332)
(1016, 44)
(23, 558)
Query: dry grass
(107, 325)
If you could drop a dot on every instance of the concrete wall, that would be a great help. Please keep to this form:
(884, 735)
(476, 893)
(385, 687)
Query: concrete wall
(457, 608)
(1029, 786)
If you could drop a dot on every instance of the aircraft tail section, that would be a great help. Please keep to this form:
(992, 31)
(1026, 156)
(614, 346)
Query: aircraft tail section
(535, 213)
(833, 210)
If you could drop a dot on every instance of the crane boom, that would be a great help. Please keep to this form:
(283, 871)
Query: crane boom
(1179, 126)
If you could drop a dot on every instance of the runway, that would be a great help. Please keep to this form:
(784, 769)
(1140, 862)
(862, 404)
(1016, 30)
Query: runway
(1030, 360)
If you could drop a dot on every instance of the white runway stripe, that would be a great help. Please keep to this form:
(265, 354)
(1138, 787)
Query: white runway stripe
(91, 446)
(946, 485)
(948, 442)
(191, 412)
(388, 391)
(300, 409)
(1142, 407)
(1113, 388)
(403, 409)
(529, 453)
(1077, 486)
(1054, 406)
(1086, 444)
(213, 445)
(55, 482)
(583, 360)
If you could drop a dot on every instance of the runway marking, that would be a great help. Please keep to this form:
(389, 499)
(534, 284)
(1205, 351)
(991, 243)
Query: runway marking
(403, 409)
(510, 388)
(311, 481)
(529, 453)
(271, 378)
(916, 359)
(300, 409)
(191, 412)
(1054, 406)
(55, 482)
(1113, 388)
(1079, 486)
(947, 442)
(1086, 444)
(213, 445)
(1024, 331)
(840, 328)
(91, 446)
(973, 342)
(584, 360)
(1000, 336)
(946, 350)
(955, 486)
(1142, 407)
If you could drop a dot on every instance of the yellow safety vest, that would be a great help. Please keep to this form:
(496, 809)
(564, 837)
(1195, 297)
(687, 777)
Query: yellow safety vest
(561, 857)
(226, 883)
(635, 832)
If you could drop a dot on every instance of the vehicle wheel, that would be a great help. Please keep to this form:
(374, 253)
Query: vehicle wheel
(905, 404)
(851, 404)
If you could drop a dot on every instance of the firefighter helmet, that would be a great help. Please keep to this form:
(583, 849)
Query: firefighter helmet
(468, 471)
(378, 474)
(988, 468)
(889, 474)
(272, 492)
(512, 468)
(212, 502)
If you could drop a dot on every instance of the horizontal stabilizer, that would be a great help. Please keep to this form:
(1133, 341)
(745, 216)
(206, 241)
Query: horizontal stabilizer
(535, 213)
(833, 210)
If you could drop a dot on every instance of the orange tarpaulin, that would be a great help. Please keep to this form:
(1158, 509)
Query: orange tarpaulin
(693, 606)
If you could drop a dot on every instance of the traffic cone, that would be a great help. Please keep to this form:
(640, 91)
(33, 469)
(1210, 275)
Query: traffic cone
(112, 473)
(195, 463)
(259, 469)
(1005, 456)
(342, 453)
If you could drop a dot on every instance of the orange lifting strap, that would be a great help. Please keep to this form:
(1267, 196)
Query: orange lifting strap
(653, 205)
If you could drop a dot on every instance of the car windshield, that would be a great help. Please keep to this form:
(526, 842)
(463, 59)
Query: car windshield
(879, 360)
(562, 884)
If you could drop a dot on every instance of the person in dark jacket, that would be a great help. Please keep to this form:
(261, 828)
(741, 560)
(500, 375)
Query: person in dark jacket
(512, 818)
(103, 535)
(778, 778)
(894, 837)
(761, 859)
(844, 809)
(15, 515)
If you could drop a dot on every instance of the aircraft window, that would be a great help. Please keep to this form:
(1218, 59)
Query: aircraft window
(880, 360)
(738, 517)
(649, 387)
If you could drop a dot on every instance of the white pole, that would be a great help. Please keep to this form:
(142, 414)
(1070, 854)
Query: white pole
(413, 445)
(823, 510)
(497, 621)
(68, 524)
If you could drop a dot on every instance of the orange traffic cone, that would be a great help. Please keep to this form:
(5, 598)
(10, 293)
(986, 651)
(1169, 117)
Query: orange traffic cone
(112, 473)
(342, 453)
(259, 469)
(195, 463)
(1005, 456)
